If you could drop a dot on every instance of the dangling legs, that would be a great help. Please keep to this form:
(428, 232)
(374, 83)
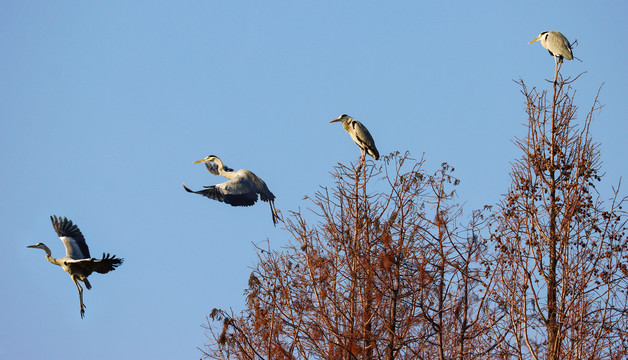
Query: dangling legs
(273, 211)
(80, 291)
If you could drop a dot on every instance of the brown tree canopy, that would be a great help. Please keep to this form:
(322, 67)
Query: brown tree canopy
(562, 276)
(373, 274)
(383, 264)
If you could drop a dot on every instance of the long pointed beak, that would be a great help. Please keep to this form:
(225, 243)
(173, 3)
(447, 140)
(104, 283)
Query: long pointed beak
(31, 246)
(199, 161)
(537, 38)
(335, 120)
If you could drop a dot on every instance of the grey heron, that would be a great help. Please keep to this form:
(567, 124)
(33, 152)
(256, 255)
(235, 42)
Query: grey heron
(556, 43)
(240, 190)
(77, 262)
(359, 134)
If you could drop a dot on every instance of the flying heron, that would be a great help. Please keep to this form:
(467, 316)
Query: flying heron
(359, 134)
(77, 261)
(557, 45)
(240, 190)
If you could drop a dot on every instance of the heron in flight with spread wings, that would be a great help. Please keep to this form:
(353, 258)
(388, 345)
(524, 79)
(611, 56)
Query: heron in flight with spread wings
(240, 190)
(557, 45)
(360, 135)
(77, 261)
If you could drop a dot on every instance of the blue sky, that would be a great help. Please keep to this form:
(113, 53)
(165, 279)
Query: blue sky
(105, 105)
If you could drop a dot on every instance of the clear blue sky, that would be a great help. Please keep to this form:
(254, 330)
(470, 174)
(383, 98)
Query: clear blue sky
(105, 105)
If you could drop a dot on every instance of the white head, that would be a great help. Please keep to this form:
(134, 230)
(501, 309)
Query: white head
(207, 159)
(540, 37)
(40, 246)
(343, 118)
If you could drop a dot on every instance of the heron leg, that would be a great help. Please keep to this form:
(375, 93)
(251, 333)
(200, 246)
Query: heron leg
(80, 291)
(558, 64)
(363, 155)
(273, 212)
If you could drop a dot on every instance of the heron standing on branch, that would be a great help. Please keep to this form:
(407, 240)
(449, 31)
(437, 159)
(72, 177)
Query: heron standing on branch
(360, 135)
(77, 261)
(240, 190)
(557, 45)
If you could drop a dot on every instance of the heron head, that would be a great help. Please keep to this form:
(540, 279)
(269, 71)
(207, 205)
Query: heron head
(206, 159)
(39, 246)
(342, 117)
(538, 37)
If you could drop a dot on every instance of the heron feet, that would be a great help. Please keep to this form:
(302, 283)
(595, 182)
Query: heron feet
(83, 310)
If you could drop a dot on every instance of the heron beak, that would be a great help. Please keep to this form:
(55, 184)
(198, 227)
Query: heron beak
(31, 246)
(335, 120)
(537, 38)
(199, 161)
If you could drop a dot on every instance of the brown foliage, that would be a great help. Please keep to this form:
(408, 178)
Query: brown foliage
(381, 265)
(561, 248)
(387, 274)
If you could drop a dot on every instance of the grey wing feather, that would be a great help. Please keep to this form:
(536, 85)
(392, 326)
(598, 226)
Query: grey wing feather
(364, 136)
(209, 191)
(252, 183)
(70, 234)
(264, 193)
(239, 191)
(230, 192)
(106, 264)
(561, 45)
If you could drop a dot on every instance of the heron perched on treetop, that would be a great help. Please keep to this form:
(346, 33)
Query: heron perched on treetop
(240, 190)
(77, 261)
(556, 43)
(359, 134)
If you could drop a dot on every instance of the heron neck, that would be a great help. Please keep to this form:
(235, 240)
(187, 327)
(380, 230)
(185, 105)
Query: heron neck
(221, 166)
(346, 125)
(50, 258)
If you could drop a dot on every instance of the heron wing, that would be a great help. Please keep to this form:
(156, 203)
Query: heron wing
(87, 266)
(249, 182)
(558, 45)
(70, 234)
(364, 139)
(209, 191)
(107, 263)
(260, 187)
(233, 192)
(239, 190)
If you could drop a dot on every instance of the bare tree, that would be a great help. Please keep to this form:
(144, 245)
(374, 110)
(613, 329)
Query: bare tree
(383, 274)
(562, 275)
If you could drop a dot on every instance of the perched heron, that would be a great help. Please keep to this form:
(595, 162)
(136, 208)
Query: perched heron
(240, 190)
(557, 45)
(77, 261)
(359, 134)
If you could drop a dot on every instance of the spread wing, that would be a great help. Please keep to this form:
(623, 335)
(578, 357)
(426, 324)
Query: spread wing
(235, 192)
(106, 264)
(75, 245)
